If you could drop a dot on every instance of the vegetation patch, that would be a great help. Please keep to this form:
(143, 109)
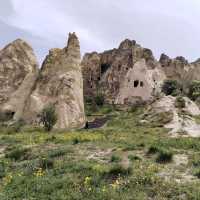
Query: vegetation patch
(164, 156)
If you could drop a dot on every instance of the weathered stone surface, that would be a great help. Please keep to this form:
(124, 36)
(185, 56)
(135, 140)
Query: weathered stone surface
(140, 84)
(175, 69)
(108, 71)
(60, 83)
(183, 123)
(18, 72)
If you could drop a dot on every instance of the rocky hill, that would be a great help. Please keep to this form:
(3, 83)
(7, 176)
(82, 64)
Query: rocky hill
(131, 72)
(26, 90)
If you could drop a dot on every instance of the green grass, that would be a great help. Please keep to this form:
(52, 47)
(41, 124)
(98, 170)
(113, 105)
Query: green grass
(115, 162)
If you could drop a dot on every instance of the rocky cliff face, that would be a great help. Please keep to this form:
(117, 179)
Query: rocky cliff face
(18, 72)
(180, 69)
(60, 83)
(140, 84)
(131, 73)
(111, 71)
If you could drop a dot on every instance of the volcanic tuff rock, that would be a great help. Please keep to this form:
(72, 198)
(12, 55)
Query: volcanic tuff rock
(118, 73)
(60, 83)
(109, 71)
(18, 72)
(25, 90)
(180, 69)
(140, 84)
(182, 122)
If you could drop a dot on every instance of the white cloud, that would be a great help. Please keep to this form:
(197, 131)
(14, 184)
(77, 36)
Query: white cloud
(164, 26)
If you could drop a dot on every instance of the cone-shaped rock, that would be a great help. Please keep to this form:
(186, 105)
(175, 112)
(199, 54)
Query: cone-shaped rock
(60, 83)
(18, 72)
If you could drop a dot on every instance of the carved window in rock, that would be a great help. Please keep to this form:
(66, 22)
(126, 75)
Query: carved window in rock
(119, 67)
(141, 84)
(136, 83)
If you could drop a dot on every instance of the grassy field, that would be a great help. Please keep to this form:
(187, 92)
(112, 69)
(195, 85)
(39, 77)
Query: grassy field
(124, 160)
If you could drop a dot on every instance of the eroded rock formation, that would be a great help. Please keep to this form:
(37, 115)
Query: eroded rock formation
(140, 84)
(25, 90)
(60, 83)
(180, 121)
(113, 72)
(18, 72)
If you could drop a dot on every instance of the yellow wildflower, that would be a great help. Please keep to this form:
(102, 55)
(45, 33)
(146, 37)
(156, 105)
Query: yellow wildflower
(87, 180)
(39, 172)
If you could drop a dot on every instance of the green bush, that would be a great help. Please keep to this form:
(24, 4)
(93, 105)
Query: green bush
(164, 156)
(133, 157)
(118, 170)
(197, 173)
(194, 90)
(18, 154)
(171, 87)
(180, 102)
(99, 99)
(46, 163)
(154, 149)
(2, 169)
(48, 117)
(115, 158)
(57, 153)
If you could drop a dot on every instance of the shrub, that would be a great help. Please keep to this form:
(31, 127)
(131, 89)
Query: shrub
(118, 170)
(154, 149)
(2, 169)
(164, 156)
(46, 163)
(18, 154)
(75, 141)
(48, 117)
(57, 153)
(180, 102)
(197, 173)
(194, 90)
(171, 87)
(133, 157)
(115, 158)
(99, 99)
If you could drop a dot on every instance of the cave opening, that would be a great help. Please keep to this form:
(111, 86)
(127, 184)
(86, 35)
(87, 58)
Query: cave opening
(136, 83)
(104, 67)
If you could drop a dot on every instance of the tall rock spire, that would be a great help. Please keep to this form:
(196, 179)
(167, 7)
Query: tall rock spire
(73, 47)
(60, 84)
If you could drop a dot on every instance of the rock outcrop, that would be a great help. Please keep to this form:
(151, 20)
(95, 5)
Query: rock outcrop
(140, 84)
(181, 121)
(60, 83)
(109, 72)
(18, 72)
(180, 69)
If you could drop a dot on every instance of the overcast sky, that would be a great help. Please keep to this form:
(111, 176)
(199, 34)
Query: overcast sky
(170, 27)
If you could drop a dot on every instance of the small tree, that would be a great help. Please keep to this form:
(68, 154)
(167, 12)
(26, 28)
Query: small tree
(171, 87)
(194, 90)
(99, 99)
(48, 117)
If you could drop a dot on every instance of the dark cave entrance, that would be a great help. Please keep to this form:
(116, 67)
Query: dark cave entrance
(104, 67)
